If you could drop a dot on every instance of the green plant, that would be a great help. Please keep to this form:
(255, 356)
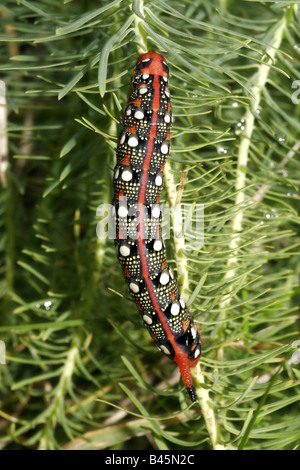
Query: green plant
(68, 323)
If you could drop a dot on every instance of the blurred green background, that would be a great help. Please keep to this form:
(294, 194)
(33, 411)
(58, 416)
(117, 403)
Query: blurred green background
(81, 371)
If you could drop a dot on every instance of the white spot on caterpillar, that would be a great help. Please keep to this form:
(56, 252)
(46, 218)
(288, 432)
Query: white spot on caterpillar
(164, 349)
(134, 287)
(171, 274)
(167, 118)
(193, 332)
(164, 278)
(147, 320)
(128, 111)
(165, 78)
(139, 114)
(197, 353)
(164, 148)
(167, 93)
(125, 250)
(175, 309)
(159, 179)
(122, 211)
(155, 212)
(182, 303)
(157, 245)
(145, 60)
(133, 141)
(143, 90)
(117, 172)
(127, 175)
(145, 76)
(122, 140)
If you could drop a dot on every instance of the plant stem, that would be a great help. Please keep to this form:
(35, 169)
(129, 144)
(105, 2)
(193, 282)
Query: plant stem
(57, 406)
(3, 134)
(237, 224)
(183, 279)
(207, 408)
(137, 7)
(223, 4)
(259, 82)
(7, 183)
(179, 242)
(183, 283)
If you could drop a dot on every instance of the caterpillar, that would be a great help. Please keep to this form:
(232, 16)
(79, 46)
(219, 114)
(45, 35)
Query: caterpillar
(143, 146)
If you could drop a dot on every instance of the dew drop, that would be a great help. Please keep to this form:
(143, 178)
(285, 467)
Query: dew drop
(283, 172)
(297, 48)
(222, 151)
(240, 127)
(48, 304)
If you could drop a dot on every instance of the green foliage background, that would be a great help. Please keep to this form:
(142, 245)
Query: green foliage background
(81, 370)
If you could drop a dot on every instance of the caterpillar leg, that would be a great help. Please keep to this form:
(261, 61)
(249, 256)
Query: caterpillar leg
(192, 393)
